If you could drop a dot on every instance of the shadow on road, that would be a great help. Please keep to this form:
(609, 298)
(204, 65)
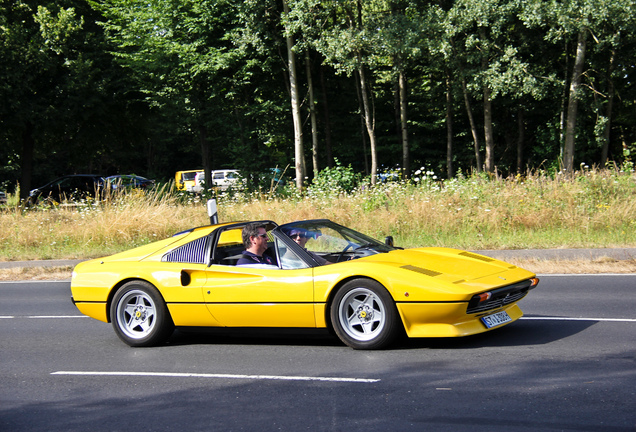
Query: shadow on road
(520, 333)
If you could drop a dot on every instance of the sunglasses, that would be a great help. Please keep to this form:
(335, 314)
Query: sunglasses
(261, 235)
(295, 236)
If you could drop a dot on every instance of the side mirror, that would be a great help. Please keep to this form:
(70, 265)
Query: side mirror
(388, 240)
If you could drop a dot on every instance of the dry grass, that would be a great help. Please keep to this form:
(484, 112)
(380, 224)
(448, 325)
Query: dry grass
(36, 273)
(605, 265)
(595, 208)
(84, 231)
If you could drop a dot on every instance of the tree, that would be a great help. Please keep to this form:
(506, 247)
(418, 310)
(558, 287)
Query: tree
(299, 154)
(346, 44)
(573, 101)
(579, 21)
(165, 85)
(401, 31)
(56, 88)
(178, 52)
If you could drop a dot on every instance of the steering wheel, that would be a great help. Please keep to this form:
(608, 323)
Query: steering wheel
(349, 246)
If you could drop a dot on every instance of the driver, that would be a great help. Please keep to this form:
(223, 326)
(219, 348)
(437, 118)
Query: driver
(255, 242)
(301, 236)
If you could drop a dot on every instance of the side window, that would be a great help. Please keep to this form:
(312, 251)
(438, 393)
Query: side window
(229, 247)
(288, 259)
(191, 253)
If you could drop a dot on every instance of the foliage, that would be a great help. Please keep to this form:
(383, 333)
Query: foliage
(333, 182)
(152, 87)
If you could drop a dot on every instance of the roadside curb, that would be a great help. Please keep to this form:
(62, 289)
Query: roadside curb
(38, 263)
(563, 254)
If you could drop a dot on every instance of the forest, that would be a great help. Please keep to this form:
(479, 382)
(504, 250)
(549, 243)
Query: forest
(392, 87)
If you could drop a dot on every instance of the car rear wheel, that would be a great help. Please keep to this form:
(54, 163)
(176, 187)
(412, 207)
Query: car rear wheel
(364, 315)
(140, 316)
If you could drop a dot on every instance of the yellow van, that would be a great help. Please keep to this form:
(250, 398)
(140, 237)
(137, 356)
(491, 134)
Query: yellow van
(185, 180)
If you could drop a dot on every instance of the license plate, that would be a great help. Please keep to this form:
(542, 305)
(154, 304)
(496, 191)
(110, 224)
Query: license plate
(496, 319)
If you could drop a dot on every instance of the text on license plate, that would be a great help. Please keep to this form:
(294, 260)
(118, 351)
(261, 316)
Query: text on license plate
(496, 319)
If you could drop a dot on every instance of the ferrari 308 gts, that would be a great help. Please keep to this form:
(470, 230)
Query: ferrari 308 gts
(320, 275)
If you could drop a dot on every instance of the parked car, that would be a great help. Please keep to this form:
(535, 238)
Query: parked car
(185, 180)
(221, 179)
(69, 187)
(3, 197)
(366, 291)
(129, 181)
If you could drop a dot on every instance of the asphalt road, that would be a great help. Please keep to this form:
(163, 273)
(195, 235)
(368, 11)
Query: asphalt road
(569, 365)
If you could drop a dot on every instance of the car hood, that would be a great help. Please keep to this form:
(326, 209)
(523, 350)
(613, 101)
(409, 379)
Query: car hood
(451, 265)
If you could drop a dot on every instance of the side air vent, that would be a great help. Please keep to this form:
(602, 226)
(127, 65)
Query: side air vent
(427, 272)
(194, 252)
(477, 257)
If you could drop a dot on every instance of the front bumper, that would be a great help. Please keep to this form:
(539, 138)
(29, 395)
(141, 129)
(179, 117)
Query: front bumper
(447, 319)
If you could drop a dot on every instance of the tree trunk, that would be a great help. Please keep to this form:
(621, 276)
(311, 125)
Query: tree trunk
(312, 115)
(608, 110)
(369, 118)
(299, 155)
(368, 121)
(449, 126)
(488, 133)
(363, 127)
(564, 99)
(570, 128)
(396, 109)
(406, 159)
(473, 127)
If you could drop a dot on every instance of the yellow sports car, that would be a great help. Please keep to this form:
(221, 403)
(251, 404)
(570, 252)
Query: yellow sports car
(318, 274)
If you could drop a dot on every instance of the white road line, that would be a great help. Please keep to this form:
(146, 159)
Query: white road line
(41, 316)
(226, 376)
(578, 319)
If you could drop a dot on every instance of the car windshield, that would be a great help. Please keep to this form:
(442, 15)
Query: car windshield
(328, 237)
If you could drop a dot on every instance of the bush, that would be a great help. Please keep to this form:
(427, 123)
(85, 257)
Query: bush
(332, 182)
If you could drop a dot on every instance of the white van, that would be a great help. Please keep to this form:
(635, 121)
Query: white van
(221, 179)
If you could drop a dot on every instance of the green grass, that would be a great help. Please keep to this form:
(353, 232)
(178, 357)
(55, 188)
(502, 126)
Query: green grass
(593, 208)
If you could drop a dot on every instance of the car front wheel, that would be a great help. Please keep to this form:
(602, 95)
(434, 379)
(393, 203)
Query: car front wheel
(140, 316)
(364, 315)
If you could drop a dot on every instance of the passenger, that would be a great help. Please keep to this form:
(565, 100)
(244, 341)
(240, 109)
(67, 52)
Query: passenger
(255, 242)
(301, 236)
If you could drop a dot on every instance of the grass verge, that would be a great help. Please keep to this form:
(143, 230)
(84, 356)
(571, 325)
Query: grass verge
(590, 209)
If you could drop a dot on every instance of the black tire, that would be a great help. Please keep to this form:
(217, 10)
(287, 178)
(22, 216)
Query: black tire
(139, 315)
(364, 315)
